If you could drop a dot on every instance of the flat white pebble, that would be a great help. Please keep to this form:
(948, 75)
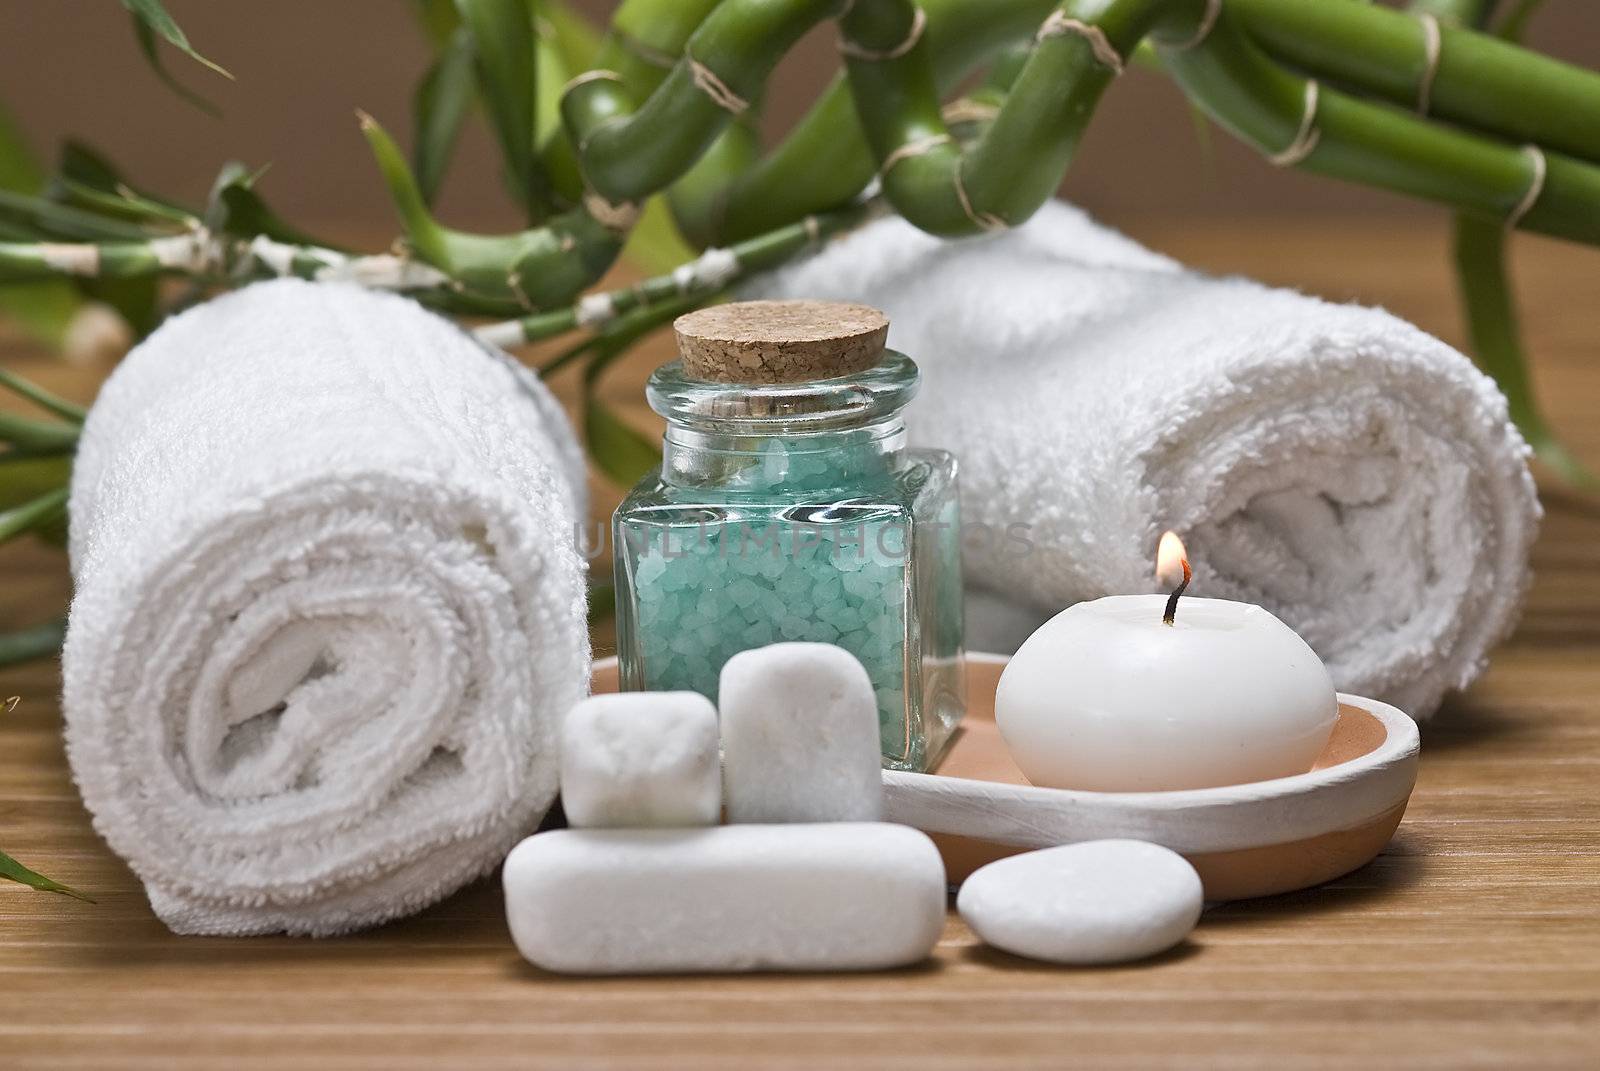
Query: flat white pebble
(1102, 901)
(641, 759)
(829, 896)
(800, 736)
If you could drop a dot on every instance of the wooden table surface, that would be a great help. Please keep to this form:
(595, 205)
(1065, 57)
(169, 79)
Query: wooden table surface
(1474, 940)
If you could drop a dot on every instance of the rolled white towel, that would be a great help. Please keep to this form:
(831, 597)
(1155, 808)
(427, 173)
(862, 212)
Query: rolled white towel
(329, 607)
(1355, 475)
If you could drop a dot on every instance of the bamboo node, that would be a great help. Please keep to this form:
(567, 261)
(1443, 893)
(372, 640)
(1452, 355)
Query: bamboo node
(275, 255)
(599, 74)
(74, 258)
(1306, 137)
(914, 147)
(919, 23)
(1432, 45)
(180, 252)
(1208, 21)
(595, 309)
(967, 110)
(715, 88)
(386, 271)
(502, 335)
(613, 217)
(713, 269)
(514, 284)
(1060, 25)
(986, 221)
(1530, 196)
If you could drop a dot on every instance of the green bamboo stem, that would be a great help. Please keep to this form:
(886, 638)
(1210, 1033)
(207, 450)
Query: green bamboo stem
(1265, 106)
(1496, 338)
(1475, 79)
(825, 160)
(24, 645)
(628, 153)
(937, 184)
(205, 255)
(713, 272)
(42, 398)
(536, 269)
(47, 508)
(36, 437)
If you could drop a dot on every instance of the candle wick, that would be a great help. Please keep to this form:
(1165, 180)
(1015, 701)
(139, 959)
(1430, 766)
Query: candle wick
(1172, 600)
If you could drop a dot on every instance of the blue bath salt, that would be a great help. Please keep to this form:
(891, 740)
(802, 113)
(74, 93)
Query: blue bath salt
(842, 536)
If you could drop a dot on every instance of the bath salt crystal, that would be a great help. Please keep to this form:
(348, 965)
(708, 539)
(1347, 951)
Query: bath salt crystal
(641, 759)
(1104, 901)
(800, 736)
(828, 897)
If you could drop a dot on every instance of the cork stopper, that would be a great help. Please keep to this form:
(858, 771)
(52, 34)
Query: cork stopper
(780, 341)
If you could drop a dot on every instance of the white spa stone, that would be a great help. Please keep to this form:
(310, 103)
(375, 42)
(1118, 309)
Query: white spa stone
(793, 897)
(800, 736)
(1101, 901)
(641, 759)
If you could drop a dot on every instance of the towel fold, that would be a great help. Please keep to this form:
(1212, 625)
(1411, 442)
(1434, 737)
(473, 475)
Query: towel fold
(328, 610)
(1353, 474)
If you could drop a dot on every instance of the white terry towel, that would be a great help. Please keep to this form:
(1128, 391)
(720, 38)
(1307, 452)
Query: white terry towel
(1353, 474)
(329, 607)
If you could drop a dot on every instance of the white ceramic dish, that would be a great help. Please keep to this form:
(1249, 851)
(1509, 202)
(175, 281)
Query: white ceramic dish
(1245, 840)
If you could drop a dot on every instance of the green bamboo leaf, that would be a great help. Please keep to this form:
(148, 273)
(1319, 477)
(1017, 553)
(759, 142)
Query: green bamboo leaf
(506, 61)
(42, 398)
(86, 177)
(43, 309)
(235, 207)
(19, 170)
(12, 870)
(438, 109)
(35, 642)
(619, 451)
(439, 20)
(150, 22)
(46, 509)
(37, 436)
(25, 476)
(575, 37)
(45, 220)
(150, 14)
(427, 238)
(1515, 25)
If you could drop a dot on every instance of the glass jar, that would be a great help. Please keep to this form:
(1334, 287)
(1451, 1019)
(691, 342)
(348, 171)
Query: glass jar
(795, 511)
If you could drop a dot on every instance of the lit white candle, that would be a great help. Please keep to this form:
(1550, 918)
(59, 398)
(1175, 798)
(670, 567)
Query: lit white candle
(1109, 696)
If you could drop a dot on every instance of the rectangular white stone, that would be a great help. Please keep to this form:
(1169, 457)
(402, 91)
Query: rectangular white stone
(641, 759)
(800, 736)
(817, 897)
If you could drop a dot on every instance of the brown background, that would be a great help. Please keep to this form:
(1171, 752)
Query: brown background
(71, 67)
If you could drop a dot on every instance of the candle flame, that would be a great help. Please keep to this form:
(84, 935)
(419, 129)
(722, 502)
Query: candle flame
(1172, 561)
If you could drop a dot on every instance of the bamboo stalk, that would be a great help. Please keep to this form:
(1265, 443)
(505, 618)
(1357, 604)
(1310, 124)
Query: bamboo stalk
(934, 182)
(628, 153)
(825, 160)
(1467, 77)
(1331, 133)
(713, 271)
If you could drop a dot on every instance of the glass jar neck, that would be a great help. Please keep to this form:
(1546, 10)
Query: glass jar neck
(836, 459)
(830, 434)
